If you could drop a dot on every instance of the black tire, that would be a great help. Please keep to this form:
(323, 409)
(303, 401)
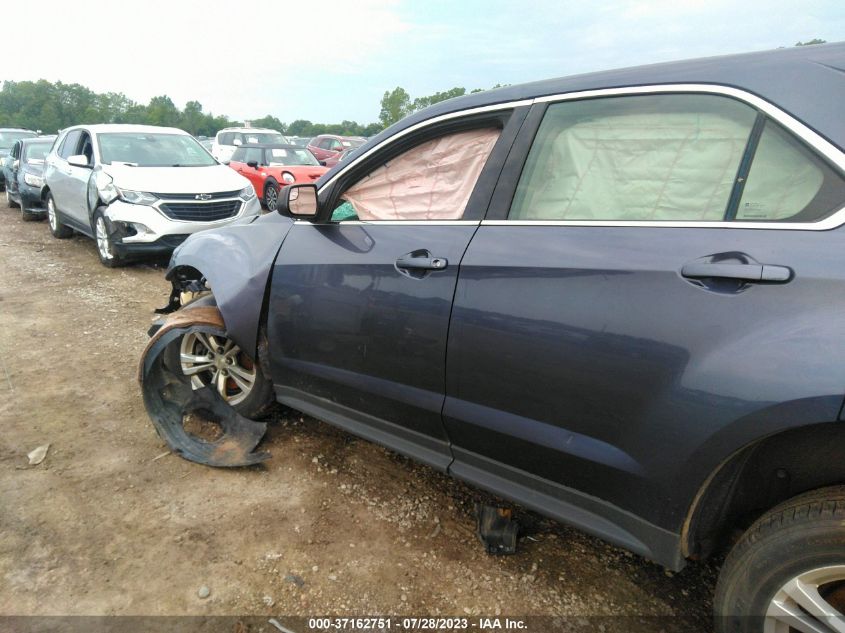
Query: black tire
(271, 195)
(802, 534)
(109, 257)
(57, 228)
(9, 202)
(259, 400)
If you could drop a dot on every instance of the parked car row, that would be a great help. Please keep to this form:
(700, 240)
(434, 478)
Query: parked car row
(139, 191)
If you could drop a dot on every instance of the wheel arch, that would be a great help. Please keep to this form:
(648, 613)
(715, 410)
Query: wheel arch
(758, 477)
(236, 262)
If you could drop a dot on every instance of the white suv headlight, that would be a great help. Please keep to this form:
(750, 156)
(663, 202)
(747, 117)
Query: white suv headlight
(247, 193)
(137, 197)
(32, 180)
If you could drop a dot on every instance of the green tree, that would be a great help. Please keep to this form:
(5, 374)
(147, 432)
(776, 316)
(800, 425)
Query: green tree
(270, 122)
(162, 111)
(423, 102)
(811, 42)
(394, 106)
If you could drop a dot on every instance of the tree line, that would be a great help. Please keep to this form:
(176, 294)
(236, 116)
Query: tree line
(49, 107)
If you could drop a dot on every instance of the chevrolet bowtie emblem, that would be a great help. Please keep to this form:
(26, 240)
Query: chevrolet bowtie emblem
(202, 196)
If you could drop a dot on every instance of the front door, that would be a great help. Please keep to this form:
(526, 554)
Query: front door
(359, 307)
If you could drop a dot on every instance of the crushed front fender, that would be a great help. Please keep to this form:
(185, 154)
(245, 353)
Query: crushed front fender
(169, 398)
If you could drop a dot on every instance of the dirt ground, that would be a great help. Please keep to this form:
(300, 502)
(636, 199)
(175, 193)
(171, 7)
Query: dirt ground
(109, 524)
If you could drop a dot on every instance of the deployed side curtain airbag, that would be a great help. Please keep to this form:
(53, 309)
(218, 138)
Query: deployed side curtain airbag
(642, 167)
(432, 181)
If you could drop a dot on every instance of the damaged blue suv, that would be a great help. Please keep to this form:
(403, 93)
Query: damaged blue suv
(617, 299)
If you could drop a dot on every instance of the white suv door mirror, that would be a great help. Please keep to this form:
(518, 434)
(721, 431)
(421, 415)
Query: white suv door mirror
(78, 160)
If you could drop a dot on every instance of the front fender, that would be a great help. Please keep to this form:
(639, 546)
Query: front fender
(236, 261)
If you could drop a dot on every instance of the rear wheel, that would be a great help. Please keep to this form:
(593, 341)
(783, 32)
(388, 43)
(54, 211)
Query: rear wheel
(9, 202)
(787, 572)
(58, 229)
(271, 195)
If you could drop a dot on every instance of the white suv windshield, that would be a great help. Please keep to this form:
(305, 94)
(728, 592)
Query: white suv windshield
(145, 149)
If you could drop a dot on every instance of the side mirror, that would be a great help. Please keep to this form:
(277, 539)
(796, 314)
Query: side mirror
(78, 160)
(237, 142)
(323, 163)
(224, 162)
(253, 164)
(299, 201)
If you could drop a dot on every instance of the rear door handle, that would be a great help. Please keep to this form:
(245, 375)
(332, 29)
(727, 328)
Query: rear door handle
(425, 262)
(745, 272)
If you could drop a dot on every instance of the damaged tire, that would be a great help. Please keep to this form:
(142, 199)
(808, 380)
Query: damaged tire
(216, 361)
(57, 228)
(106, 251)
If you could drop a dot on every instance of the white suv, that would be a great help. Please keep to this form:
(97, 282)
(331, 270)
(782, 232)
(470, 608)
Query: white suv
(230, 138)
(139, 189)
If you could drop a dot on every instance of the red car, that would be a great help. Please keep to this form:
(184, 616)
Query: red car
(269, 167)
(329, 145)
(337, 158)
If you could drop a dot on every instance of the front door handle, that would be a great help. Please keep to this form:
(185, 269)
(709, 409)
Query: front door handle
(744, 272)
(425, 262)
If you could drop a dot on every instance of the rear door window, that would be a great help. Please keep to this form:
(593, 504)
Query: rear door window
(677, 158)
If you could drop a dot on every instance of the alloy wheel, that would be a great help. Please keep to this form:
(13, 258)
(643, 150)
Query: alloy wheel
(51, 214)
(271, 198)
(103, 239)
(812, 602)
(216, 361)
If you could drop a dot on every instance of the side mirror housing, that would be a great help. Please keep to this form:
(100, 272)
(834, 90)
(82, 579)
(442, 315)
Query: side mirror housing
(323, 163)
(299, 202)
(78, 160)
(253, 164)
(238, 142)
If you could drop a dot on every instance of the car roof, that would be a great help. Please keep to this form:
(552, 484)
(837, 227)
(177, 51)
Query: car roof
(271, 146)
(101, 128)
(36, 139)
(808, 82)
(248, 129)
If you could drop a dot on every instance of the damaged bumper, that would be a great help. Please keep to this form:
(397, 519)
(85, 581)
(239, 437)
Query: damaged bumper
(170, 399)
(144, 230)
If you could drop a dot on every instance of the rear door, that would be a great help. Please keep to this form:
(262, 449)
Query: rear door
(359, 307)
(650, 274)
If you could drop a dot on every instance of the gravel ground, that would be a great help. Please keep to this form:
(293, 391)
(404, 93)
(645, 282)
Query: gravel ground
(111, 524)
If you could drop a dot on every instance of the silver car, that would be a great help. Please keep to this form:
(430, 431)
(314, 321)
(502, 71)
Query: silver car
(139, 190)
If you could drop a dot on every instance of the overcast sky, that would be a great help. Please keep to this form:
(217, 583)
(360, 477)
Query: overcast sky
(327, 60)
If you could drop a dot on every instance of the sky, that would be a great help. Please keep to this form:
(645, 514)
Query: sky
(332, 60)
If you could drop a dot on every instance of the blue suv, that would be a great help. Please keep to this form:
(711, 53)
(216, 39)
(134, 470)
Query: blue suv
(617, 299)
